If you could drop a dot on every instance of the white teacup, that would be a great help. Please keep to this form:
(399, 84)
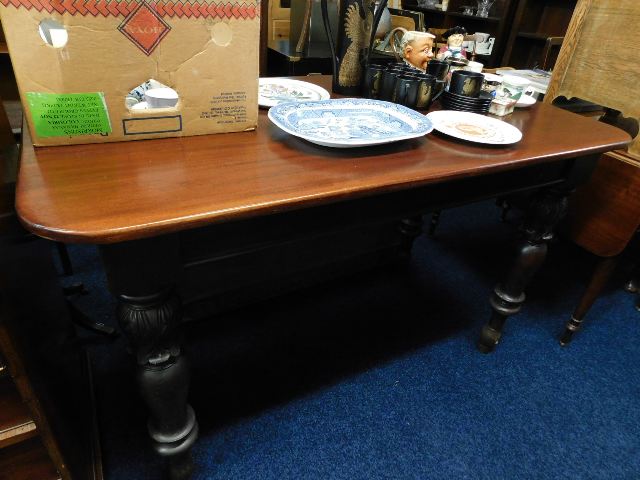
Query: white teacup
(161, 97)
(485, 48)
(512, 88)
(481, 37)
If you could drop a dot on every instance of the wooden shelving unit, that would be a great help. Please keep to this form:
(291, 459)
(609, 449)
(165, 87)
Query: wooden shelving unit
(532, 36)
(534, 22)
(473, 17)
(16, 424)
(496, 24)
(27, 460)
(22, 452)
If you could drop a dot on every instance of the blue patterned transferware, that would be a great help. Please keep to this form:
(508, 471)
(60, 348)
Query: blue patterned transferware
(350, 122)
(273, 91)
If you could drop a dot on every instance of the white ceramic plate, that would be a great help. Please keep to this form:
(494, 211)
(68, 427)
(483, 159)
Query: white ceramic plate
(525, 101)
(273, 91)
(349, 122)
(474, 128)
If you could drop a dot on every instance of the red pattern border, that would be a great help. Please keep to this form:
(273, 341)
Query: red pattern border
(122, 8)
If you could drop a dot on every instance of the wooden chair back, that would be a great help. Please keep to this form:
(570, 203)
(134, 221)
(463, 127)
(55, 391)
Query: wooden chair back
(597, 61)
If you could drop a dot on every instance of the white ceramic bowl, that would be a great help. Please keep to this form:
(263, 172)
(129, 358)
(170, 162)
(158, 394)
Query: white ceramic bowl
(161, 97)
(139, 106)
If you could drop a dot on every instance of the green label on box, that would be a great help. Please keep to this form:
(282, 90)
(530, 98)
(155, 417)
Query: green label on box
(69, 114)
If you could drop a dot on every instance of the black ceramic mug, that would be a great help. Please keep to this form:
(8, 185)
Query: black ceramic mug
(438, 69)
(389, 77)
(466, 83)
(372, 83)
(429, 89)
(406, 90)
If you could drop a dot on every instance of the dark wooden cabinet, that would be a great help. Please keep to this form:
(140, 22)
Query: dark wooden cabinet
(496, 24)
(536, 33)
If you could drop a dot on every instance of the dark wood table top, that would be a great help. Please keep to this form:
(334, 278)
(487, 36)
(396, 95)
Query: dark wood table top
(106, 193)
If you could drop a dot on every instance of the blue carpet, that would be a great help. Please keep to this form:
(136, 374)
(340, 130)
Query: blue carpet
(377, 376)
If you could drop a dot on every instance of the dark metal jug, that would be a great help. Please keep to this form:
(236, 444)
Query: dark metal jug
(357, 24)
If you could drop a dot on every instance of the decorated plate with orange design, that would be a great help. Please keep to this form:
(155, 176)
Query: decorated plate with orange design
(474, 127)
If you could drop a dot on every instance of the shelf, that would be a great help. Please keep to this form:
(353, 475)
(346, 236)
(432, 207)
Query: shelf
(542, 37)
(16, 424)
(27, 461)
(474, 17)
(428, 10)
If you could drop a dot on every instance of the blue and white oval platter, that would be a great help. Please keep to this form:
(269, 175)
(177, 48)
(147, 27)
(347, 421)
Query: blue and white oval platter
(350, 122)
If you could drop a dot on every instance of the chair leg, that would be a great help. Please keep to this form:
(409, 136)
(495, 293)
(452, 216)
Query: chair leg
(632, 285)
(505, 207)
(67, 268)
(435, 221)
(600, 276)
(78, 317)
(84, 321)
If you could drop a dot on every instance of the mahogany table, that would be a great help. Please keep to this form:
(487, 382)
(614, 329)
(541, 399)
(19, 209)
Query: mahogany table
(143, 203)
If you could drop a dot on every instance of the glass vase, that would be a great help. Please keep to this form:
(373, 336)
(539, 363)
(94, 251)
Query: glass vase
(483, 7)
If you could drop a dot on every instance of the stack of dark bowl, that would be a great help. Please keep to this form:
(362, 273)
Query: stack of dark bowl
(465, 93)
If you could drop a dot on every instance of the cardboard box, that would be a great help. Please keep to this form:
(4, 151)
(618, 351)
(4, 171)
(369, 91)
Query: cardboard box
(206, 51)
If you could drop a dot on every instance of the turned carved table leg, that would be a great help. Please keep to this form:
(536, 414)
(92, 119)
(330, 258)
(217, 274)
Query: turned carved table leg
(544, 211)
(602, 273)
(141, 275)
(410, 229)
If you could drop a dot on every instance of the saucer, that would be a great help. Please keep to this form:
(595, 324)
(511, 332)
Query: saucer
(480, 104)
(463, 108)
(525, 101)
(466, 103)
(481, 98)
(474, 128)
